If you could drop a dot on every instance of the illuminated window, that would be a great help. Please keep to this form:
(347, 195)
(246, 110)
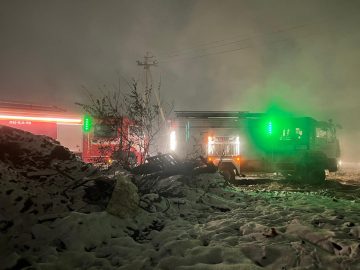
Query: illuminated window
(285, 134)
(321, 133)
(325, 133)
(299, 133)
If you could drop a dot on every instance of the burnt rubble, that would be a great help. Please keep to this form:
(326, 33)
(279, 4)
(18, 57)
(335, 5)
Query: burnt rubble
(165, 165)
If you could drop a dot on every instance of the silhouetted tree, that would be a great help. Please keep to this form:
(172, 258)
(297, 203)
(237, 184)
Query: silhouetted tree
(130, 121)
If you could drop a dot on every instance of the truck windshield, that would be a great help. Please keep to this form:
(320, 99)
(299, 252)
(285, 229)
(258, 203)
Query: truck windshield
(104, 131)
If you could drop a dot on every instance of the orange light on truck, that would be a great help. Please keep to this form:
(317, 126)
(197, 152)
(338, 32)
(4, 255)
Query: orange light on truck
(210, 145)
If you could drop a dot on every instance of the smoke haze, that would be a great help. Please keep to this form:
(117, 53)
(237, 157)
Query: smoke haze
(213, 55)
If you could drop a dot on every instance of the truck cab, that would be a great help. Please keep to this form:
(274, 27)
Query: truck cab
(297, 146)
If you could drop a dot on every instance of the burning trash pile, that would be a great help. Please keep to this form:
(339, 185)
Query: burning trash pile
(57, 212)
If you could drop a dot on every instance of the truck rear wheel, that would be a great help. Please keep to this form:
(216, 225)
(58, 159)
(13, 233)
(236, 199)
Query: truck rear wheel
(229, 174)
(317, 175)
(228, 170)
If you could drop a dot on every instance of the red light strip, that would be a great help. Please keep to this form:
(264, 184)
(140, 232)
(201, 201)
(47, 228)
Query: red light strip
(41, 119)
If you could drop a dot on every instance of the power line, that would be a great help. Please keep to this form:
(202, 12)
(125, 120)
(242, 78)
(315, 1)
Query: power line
(238, 48)
(207, 54)
(222, 52)
(214, 45)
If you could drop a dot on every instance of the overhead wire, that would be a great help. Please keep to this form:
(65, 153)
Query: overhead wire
(214, 44)
(224, 51)
(192, 53)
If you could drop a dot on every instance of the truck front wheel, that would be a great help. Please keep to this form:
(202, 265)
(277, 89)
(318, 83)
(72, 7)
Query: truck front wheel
(311, 168)
(311, 174)
(317, 175)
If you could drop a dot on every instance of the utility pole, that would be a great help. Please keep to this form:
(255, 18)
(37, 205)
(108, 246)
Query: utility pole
(149, 61)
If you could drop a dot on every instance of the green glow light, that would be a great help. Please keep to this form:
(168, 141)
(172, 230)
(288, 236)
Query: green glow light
(87, 123)
(269, 128)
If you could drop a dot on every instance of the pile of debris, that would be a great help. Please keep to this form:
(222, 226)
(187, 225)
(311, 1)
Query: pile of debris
(58, 213)
(42, 181)
(44, 189)
(165, 165)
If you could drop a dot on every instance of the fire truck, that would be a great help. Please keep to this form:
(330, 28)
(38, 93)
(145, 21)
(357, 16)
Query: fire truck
(82, 135)
(51, 121)
(243, 142)
(106, 141)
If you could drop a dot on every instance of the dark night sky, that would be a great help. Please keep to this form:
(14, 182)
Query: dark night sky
(213, 55)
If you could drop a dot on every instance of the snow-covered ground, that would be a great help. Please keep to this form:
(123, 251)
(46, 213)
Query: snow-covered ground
(182, 222)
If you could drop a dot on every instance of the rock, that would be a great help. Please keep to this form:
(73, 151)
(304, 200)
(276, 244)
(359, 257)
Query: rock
(125, 199)
(355, 232)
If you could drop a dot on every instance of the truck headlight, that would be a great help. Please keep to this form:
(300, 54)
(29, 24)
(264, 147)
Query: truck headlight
(173, 141)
